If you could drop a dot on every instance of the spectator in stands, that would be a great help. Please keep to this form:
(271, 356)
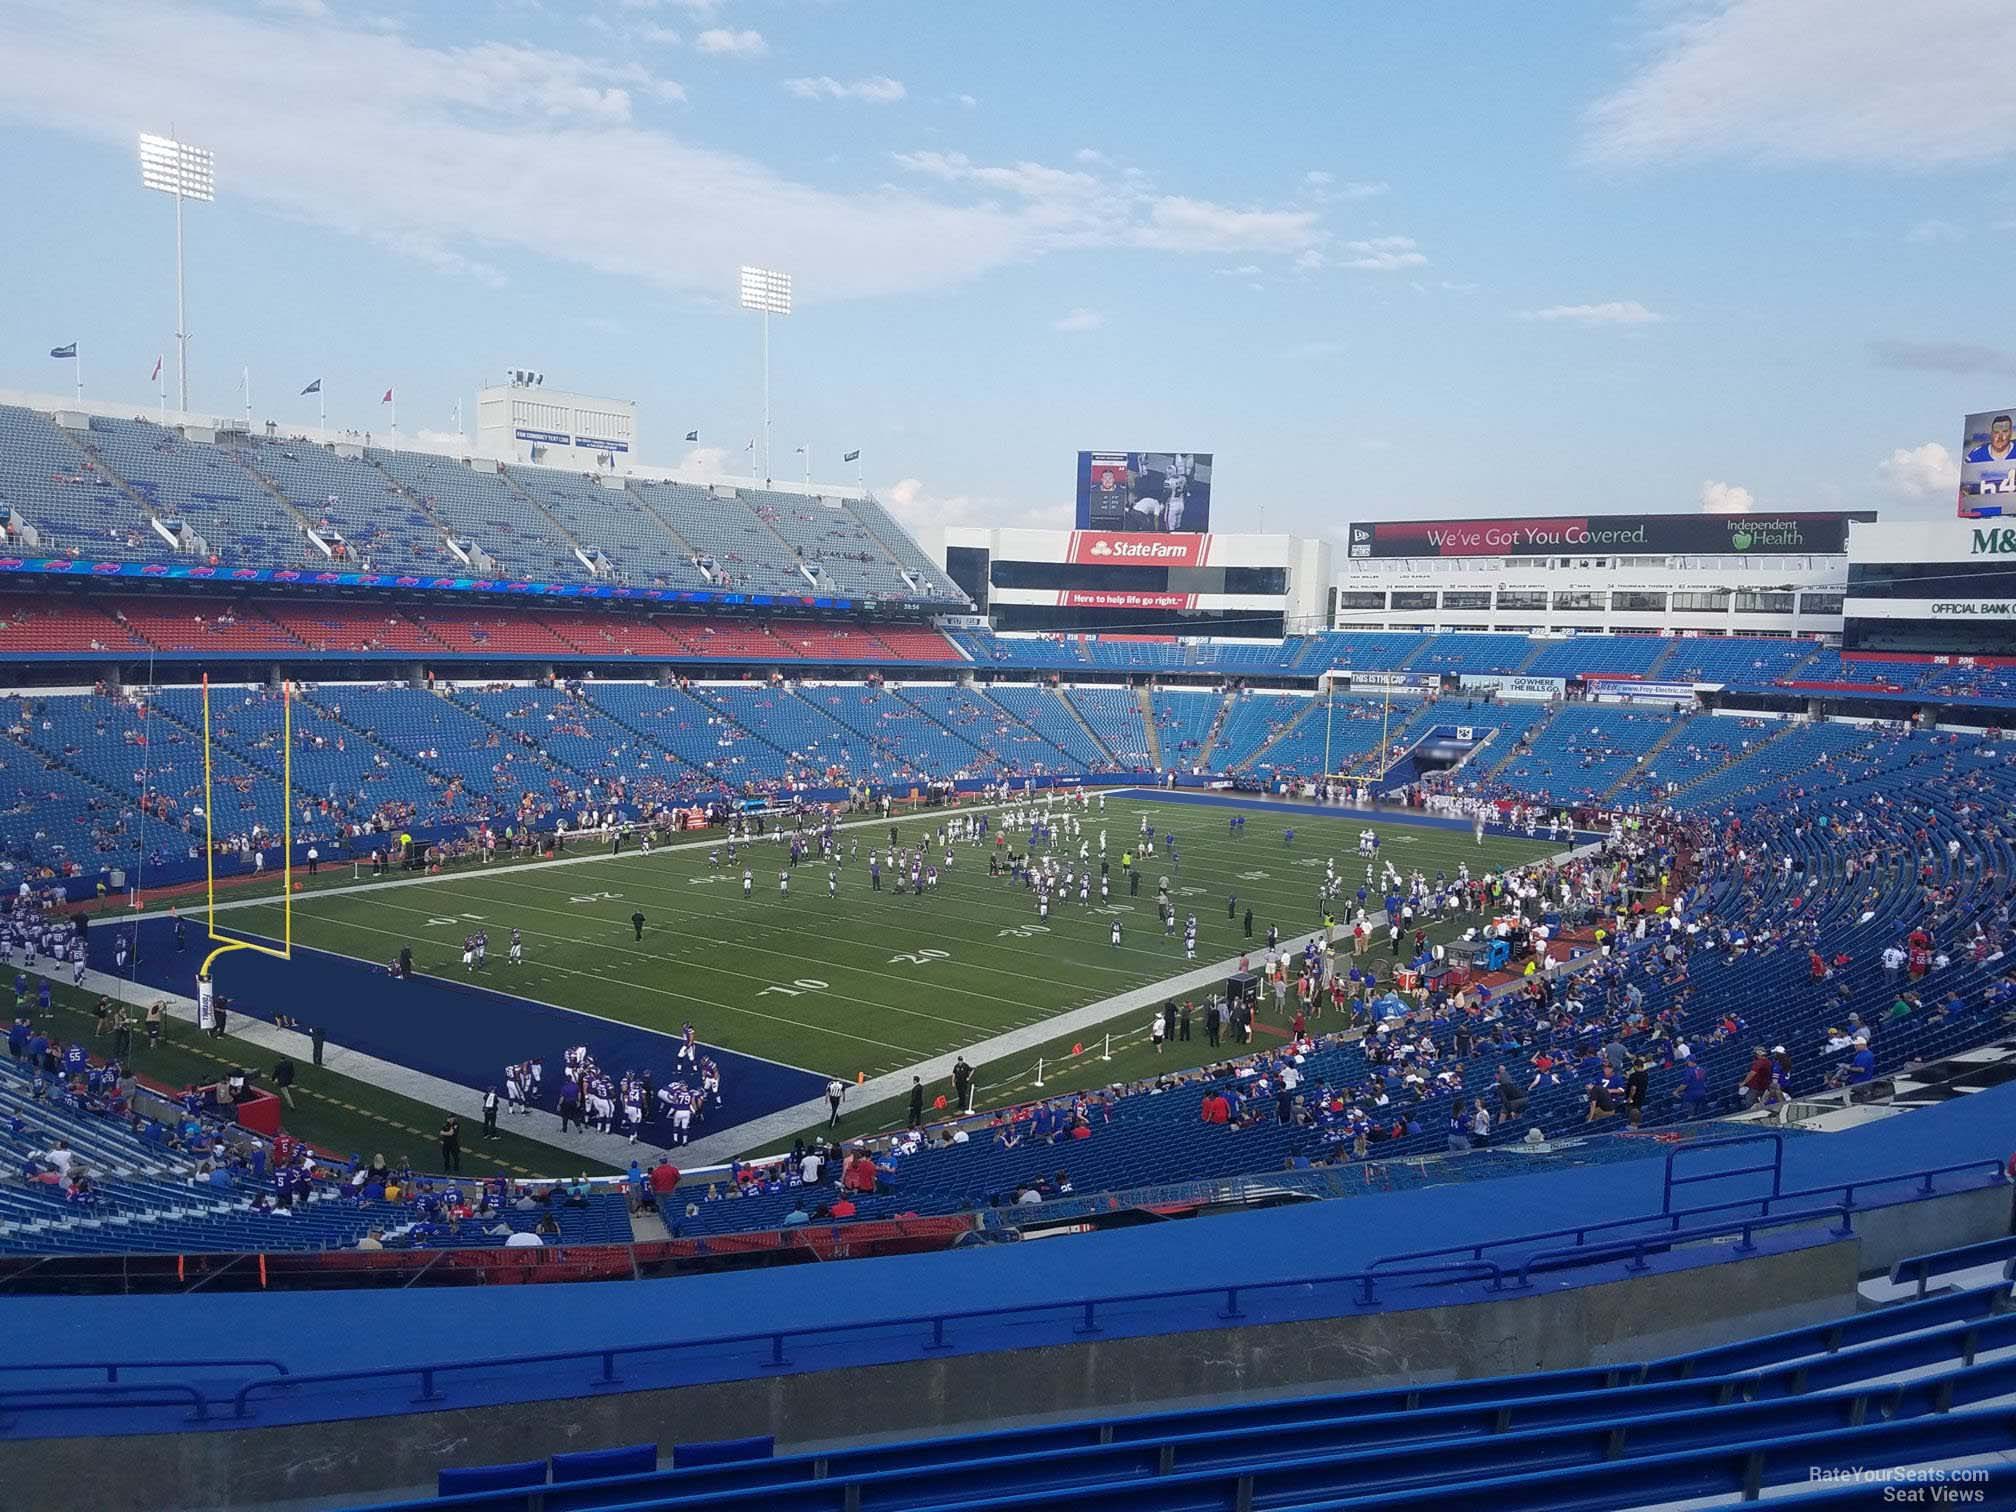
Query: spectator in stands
(663, 1178)
(1757, 1080)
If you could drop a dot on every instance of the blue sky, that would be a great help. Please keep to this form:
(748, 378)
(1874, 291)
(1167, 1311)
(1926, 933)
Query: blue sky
(1382, 259)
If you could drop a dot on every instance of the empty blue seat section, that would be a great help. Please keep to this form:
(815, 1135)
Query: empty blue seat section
(1045, 711)
(1913, 1384)
(1114, 716)
(492, 1477)
(1624, 655)
(116, 489)
(724, 1451)
(595, 1464)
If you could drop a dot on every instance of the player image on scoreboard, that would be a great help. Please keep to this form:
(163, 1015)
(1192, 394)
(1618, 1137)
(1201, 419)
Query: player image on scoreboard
(1144, 491)
(1988, 462)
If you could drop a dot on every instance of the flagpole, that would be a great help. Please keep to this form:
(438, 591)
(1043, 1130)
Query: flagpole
(77, 359)
(161, 384)
(245, 383)
(321, 410)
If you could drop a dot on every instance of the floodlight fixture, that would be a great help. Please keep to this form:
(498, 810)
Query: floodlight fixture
(768, 292)
(175, 168)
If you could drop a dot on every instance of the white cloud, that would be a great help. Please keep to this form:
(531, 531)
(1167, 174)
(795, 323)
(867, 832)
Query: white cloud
(313, 9)
(966, 100)
(1077, 208)
(721, 41)
(704, 462)
(876, 91)
(1178, 223)
(1384, 254)
(1321, 185)
(1614, 312)
(1929, 231)
(1727, 498)
(926, 514)
(1092, 157)
(387, 139)
(1921, 472)
(442, 258)
(1941, 356)
(1079, 320)
(1244, 270)
(1813, 81)
(1309, 261)
(657, 36)
(1027, 180)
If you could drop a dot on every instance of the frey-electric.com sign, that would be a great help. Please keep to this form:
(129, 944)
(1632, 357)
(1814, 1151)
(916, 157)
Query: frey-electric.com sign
(1138, 549)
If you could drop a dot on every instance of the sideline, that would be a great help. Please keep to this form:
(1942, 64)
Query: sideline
(715, 1149)
(612, 1150)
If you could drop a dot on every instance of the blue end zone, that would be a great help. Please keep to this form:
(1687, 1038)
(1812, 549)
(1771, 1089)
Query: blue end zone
(458, 1031)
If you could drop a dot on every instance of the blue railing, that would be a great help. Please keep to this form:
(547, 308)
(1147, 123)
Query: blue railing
(769, 1349)
(1776, 1165)
(1843, 1191)
(112, 1368)
(933, 1332)
(1084, 1310)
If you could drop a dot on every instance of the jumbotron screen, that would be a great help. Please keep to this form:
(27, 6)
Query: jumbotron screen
(1160, 492)
(1988, 463)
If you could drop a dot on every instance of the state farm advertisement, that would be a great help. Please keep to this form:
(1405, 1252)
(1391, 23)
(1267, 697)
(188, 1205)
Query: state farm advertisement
(1085, 598)
(1118, 548)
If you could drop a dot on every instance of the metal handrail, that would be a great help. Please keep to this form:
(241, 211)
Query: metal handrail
(1579, 1232)
(1365, 1280)
(113, 1367)
(124, 1394)
(1776, 1166)
(1637, 1248)
(1086, 1307)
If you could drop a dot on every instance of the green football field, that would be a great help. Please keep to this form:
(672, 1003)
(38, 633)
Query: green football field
(865, 982)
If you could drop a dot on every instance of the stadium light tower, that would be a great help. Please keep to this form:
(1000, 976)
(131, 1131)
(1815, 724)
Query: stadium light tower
(188, 173)
(769, 293)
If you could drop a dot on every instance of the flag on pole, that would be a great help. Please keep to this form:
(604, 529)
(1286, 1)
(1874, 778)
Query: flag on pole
(64, 351)
(692, 435)
(388, 397)
(313, 388)
(157, 370)
(852, 456)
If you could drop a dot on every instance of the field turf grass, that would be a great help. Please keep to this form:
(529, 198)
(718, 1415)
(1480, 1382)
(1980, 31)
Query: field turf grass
(867, 982)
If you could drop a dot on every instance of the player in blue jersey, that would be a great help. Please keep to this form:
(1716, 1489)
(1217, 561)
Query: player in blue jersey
(2000, 445)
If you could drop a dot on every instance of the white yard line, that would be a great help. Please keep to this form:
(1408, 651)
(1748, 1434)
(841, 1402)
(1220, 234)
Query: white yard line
(716, 1148)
